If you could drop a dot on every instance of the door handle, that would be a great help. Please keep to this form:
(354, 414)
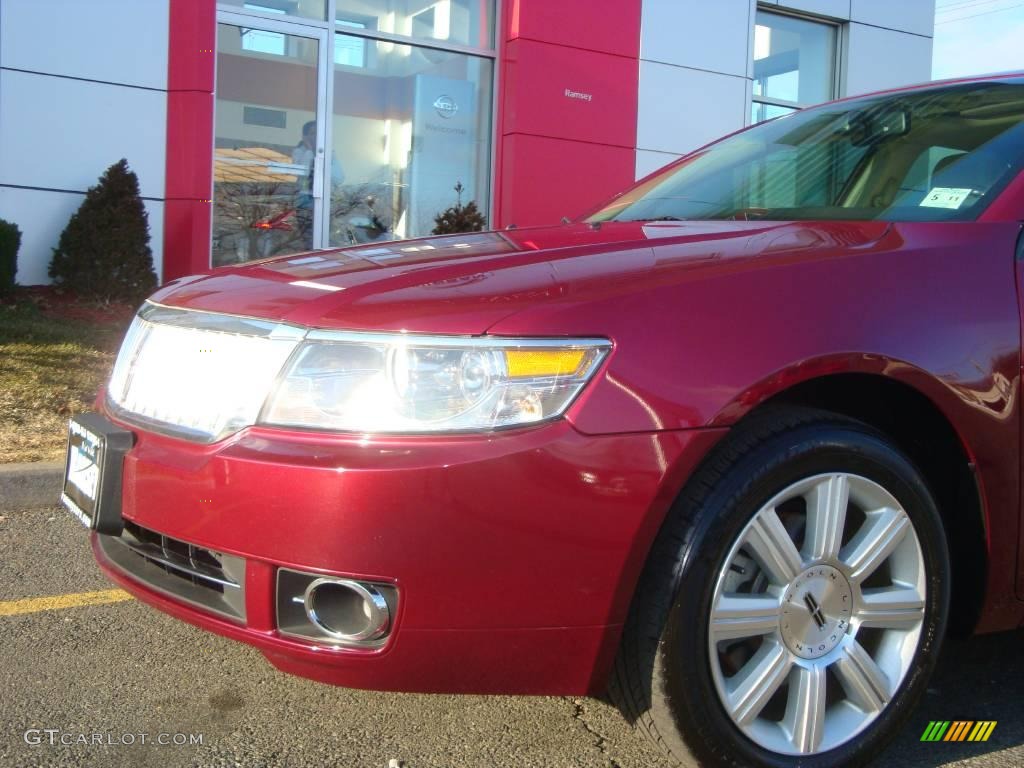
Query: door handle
(318, 175)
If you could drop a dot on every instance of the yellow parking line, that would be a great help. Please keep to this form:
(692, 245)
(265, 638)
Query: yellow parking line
(58, 602)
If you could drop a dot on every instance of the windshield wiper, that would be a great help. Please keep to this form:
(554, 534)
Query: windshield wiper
(658, 218)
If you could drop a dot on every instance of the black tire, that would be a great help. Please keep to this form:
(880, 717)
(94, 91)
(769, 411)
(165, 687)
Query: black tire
(662, 679)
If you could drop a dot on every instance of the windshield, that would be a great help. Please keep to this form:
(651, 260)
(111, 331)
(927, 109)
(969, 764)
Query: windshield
(941, 154)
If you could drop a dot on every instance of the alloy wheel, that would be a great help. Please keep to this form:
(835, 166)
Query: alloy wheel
(817, 614)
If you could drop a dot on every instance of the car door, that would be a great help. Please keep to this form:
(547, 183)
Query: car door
(1010, 206)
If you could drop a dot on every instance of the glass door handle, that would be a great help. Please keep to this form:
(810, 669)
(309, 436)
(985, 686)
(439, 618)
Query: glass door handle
(318, 176)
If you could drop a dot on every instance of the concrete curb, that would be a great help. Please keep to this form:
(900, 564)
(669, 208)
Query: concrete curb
(36, 484)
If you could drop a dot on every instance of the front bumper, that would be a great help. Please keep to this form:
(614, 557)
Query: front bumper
(514, 555)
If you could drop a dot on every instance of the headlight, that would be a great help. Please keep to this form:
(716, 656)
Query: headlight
(202, 376)
(385, 383)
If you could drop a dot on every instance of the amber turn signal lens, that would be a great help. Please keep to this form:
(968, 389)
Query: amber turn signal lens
(542, 362)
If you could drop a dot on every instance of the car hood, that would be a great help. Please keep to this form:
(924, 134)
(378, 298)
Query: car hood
(466, 283)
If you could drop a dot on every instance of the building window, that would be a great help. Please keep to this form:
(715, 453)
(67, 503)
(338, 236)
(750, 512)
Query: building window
(414, 123)
(794, 64)
(350, 51)
(299, 9)
(260, 40)
(462, 22)
(349, 129)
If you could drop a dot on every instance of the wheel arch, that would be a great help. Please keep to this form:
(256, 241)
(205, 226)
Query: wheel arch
(899, 400)
(653, 689)
(918, 427)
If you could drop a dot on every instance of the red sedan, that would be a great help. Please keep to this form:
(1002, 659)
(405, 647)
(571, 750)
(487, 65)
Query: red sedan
(741, 445)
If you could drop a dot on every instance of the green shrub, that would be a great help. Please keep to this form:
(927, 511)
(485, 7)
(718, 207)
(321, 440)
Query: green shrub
(10, 241)
(103, 253)
(459, 218)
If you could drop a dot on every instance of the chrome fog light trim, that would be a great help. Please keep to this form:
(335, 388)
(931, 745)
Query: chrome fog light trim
(348, 610)
(335, 611)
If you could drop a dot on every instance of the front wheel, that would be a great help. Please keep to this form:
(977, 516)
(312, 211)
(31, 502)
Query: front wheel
(793, 606)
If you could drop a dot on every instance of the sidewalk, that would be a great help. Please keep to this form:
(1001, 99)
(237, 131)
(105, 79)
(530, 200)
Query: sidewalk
(36, 484)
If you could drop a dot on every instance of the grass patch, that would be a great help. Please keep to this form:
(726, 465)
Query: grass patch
(50, 369)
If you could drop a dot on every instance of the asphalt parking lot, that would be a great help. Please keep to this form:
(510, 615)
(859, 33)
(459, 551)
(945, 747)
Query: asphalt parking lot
(120, 668)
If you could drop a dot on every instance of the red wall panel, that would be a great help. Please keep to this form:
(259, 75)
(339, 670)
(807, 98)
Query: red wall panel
(568, 107)
(192, 40)
(611, 26)
(544, 179)
(570, 93)
(186, 237)
(189, 172)
(189, 168)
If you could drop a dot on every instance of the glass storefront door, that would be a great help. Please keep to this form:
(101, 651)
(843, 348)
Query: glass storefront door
(357, 128)
(409, 124)
(268, 161)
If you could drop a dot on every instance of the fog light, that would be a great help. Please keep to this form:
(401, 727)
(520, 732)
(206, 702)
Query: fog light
(347, 610)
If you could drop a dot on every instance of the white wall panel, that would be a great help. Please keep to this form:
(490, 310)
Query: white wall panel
(881, 58)
(119, 41)
(62, 134)
(697, 33)
(916, 16)
(648, 161)
(41, 216)
(835, 9)
(681, 109)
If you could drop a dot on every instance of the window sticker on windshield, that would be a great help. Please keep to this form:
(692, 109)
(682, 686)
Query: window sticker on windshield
(945, 197)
